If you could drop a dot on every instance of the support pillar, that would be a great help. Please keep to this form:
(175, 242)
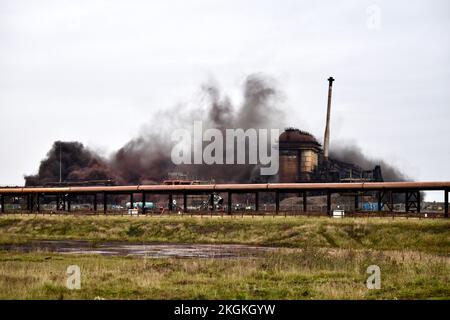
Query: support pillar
(131, 201)
(305, 202)
(105, 202)
(277, 201)
(57, 202)
(95, 202)
(256, 201)
(2, 200)
(170, 202)
(211, 201)
(185, 202)
(445, 203)
(229, 202)
(380, 208)
(329, 202)
(143, 202)
(391, 201)
(419, 201)
(69, 201)
(387, 200)
(407, 203)
(412, 201)
(38, 202)
(356, 202)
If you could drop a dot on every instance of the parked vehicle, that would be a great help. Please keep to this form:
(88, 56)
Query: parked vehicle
(138, 205)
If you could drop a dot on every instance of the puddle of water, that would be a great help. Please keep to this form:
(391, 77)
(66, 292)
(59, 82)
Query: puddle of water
(142, 250)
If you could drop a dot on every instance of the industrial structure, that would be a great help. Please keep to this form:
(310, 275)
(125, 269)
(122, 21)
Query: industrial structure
(305, 170)
(299, 156)
(302, 158)
(326, 138)
(384, 193)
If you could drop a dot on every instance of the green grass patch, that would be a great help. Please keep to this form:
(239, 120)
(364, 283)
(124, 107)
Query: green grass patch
(310, 273)
(297, 232)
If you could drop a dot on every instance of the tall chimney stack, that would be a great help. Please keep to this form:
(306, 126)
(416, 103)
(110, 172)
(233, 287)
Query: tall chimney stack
(326, 139)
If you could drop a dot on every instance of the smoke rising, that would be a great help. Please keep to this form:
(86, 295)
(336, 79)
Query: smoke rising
(146, 159)
(351, 153)
(78, 163)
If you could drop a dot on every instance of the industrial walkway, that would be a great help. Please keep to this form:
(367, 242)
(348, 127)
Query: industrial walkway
(383, 191)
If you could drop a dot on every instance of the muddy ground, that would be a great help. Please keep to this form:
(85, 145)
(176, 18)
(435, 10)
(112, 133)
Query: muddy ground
(141, 250)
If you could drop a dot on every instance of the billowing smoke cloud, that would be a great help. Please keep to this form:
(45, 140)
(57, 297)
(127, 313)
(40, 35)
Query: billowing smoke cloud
(146, 159)
(351, 153)
(77, 164)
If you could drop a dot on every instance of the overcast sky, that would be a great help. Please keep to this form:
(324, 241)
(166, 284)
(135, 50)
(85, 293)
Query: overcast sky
(97, 71)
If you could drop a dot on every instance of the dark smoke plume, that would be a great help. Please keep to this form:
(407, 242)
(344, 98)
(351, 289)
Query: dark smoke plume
(351, 153)
(146, 159)
(77, 164)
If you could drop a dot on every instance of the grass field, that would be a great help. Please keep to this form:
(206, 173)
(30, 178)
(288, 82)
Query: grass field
(351, 233)
(319, 258)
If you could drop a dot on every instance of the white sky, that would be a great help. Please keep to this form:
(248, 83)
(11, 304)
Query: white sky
(96, 71)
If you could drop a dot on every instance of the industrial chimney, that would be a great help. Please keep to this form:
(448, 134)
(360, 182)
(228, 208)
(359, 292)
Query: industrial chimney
(326, 139)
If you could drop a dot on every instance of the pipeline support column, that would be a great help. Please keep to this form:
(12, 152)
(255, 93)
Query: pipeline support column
(105, 202)
(131, 201)
(305, 202)
(277, 201)
(170, 202)
(379, 201)
(211, 200)
(185, 210)
(2, 202)
(446, 203)
(95, 202)
(329, 202)
(143, 202)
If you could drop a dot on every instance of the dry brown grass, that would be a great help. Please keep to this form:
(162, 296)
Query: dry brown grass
(320, 258)
(286, 274)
